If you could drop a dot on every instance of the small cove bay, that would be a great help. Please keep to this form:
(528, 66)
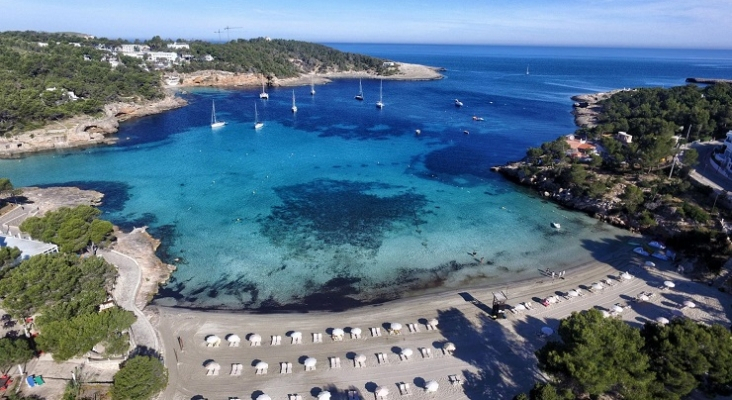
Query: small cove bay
(342, 203)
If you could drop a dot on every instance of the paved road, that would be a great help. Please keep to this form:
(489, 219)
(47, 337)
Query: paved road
(706, 171)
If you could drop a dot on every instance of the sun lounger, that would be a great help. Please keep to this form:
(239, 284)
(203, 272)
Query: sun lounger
(383, 359)
(317, 338)
(426, 352)
(375, 332)
(404, 389)
(413, 328)
(430, 327)
(335, 362)
(353, 395)
(276, 340)
(528, 305)
(289, 367)
(296, 340)
(31, 382)
(294, 396)
(39, 380)
(283, 367)
(455, 380)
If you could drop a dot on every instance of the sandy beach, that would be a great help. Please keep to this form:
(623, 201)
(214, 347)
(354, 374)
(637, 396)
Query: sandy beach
(493, 358)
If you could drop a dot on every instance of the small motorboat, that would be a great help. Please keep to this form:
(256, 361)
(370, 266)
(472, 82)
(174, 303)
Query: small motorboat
(556, 225)
(657, 244)
(466, 132)
(641, 251)
(418, 132)
(477, 118)
(458, 103)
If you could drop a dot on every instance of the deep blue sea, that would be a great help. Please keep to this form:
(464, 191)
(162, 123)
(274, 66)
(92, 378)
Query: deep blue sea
(341, 203)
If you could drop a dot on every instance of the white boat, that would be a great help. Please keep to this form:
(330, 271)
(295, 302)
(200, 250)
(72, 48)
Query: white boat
(264, 95)
(359, 96)
(527, 70)
(641, 251)
(257, 124)
(312, 87)
(380, 103)
(294, 107)
(214, 122)
(556, 225)
(657, 244)
(458, 103)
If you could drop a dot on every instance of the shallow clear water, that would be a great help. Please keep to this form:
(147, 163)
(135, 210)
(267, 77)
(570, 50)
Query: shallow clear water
(342, 203)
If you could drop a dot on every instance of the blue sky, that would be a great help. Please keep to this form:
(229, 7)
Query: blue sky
(617, 23)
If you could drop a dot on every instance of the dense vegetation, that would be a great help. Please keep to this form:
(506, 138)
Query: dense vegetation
(140, 378)
(27, 70)
(640, 174)
(65, 291)
(281, 58)
(74, 63)
(72, 229)
(14, 351)
(597, 355)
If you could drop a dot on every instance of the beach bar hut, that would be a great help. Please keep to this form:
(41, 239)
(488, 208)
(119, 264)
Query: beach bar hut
(233, 340)
(431, 386)
(310, 363)
(213, 341)
(381, 392)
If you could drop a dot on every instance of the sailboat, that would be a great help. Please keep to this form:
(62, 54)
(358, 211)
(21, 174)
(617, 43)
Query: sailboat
(359, 96)
(264, 95)
(380, 103)
(214, 122)
(257, 124)
(294, 107)
(527, 70)
(312, 87)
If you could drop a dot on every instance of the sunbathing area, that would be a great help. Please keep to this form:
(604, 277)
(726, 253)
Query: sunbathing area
(444, 345)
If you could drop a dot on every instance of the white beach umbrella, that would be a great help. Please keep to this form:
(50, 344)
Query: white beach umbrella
(254, 337)
(605, 313)
(433, 321)
(211, 339)
(573, 293)
(689, 303)
(547, 330)
(356, 331)
(396, 326)
(337, 332)
(310, 362)
(263, 397)
(449, 346)
(382, 391)
(361, 357)
(261, 365)
(669, 284)
(234, 338)
(597, 285)
(407, 352)
(626, 276)
(212, 365)
(662, 320)
(324, 395)
(644, 297)
(520, 307)
(617, 308)
(551, 299)
(296, 335)
(649, 264)
(431, 386)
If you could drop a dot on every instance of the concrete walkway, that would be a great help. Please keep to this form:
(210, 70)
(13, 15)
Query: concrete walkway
(125, 291)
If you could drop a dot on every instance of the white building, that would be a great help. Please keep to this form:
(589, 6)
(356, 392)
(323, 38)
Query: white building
(133, 48)
(178, 46)
(167, 56)
(725, 159)
(28, 248)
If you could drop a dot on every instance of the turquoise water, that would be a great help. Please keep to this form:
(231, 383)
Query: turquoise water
(342, 203)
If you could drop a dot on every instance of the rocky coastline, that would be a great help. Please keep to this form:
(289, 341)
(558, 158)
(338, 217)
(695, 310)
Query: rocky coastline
(84, 131)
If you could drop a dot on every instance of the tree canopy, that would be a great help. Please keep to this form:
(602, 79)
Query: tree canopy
(598, 355)
(140, 378)
(14, 351)
(72, 229)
